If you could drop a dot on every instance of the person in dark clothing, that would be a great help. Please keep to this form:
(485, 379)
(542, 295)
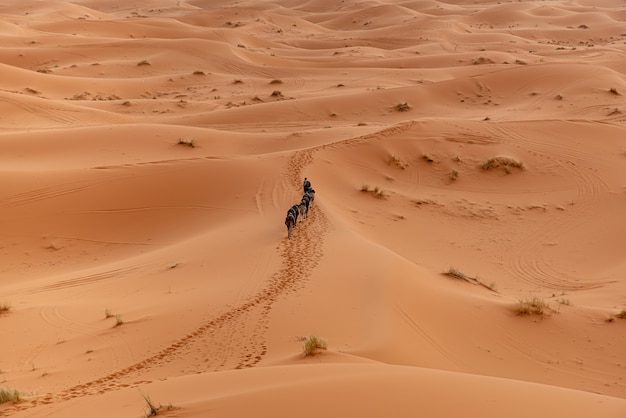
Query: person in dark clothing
(306, 185)
(294, 212)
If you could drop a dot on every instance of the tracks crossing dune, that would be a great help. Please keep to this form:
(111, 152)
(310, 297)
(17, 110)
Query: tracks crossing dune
(234, 339)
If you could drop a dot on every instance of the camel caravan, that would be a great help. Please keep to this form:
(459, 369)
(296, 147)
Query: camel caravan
(300, 210)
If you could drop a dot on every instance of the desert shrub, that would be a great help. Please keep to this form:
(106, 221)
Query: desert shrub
(377, 192)
(453, 175)
(118, 320)
(277, 93)
(191, 143)
(276, 81)
(456, 274)
(505, 162)
(403, 107)
(143, 62)
(9, 395)
(107, 313)
(4, 307)
(393, 160)
(428, 158)
(613, 90)
(153, 409)
(534, 306)
(313, 344)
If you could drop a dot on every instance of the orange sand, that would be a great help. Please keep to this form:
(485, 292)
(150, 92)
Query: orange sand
(106, 208)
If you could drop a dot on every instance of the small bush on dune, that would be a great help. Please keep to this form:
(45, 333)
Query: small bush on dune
(393, 160)
(153, 409)
(376, 191)
(613, 90)
(118, 320)
(403, 107)
(504, 162)
(9, 395)
(191, 143)
(4, 307)
(143, 62)
(534, 306)
(313, 344)
(456, 274)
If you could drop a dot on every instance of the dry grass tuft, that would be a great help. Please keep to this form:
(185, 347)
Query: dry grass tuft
(393, 160)
(534, 306)
(506, 163)
(191, 143)
(9, 395)
(376, 192)
(4, 307)
(153, 409)
(403, 107)
(313, 345)
(459, 275)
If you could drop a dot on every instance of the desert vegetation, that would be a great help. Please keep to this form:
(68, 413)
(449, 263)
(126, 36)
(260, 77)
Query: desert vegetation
(9, 395)
(376, 191)
(506, 163)
(191, 143)
(403, 107)
(395, 161)
(4, 307)
(459, 275)
(313, 345)
(153, 409)
(531, 306)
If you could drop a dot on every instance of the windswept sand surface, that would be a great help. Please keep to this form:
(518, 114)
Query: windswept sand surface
(149, 151)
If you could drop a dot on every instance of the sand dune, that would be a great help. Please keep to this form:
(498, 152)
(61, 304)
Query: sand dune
(468, 161)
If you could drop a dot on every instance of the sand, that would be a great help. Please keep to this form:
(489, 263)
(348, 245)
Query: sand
(464, 254)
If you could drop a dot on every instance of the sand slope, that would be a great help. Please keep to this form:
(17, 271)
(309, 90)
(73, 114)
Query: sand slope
(150, 151)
